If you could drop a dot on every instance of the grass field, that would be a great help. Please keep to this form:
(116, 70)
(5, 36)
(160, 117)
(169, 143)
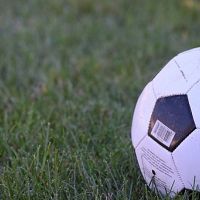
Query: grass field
(70, 74)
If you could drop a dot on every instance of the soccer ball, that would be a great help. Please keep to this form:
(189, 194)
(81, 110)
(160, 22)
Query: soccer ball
(166, 126)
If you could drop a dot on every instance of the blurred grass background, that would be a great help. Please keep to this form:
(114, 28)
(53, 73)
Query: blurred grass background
(70, 74)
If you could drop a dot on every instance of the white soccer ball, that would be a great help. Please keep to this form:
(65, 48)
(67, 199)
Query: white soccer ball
(166, 126)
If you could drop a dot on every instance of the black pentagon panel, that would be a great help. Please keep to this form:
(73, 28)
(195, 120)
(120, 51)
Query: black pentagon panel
(171, 121)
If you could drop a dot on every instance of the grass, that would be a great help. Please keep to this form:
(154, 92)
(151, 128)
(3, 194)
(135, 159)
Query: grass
(70, 74)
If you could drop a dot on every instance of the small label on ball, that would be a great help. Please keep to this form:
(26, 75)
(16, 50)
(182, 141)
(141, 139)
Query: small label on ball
(162, 133)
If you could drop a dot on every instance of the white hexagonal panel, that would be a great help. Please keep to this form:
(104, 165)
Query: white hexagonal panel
(189, 65)
(142, 114)
(157, 167)
(194, 101)
(170, 81)
(187, 160)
